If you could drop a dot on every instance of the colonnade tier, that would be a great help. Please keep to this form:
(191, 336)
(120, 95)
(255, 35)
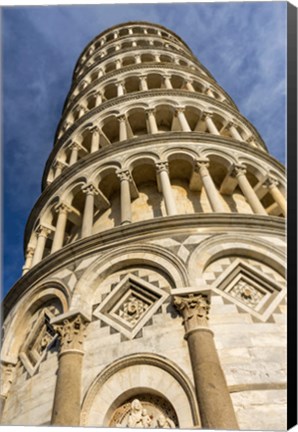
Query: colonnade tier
(133, 42)
(155, 113)
(135, 57)
(143, 78)
(128, 29)
(149, 185)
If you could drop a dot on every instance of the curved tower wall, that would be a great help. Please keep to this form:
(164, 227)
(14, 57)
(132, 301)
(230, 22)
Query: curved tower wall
(154, 257)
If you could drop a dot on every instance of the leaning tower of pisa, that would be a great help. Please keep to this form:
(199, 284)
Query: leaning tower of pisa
(153, 289)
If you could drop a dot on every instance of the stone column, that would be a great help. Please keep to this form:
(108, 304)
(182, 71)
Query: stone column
(7, 377)
(165, 184)
(81, 111)
(209, 92)
(98, 98)
(125, 199)
(122, 128)
(143, 83)
(58, 169)
(213, 396)
(134, 44)
(75, 147)
(235, 134)
(87, 224)
(28, 262)
(167, 82)
(189, 86)
(118, 64)
(182, 119)
(152, 121)
(247, 190)
(276, 194)
(95, 139)
(67, 404)
(210, 124)
(42, 235)
(120, 89)
(138, 58)
(211, 191)
(62, 210)
(157, 58)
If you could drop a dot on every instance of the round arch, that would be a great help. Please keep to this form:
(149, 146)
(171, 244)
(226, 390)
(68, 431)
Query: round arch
(222, 245)
(131, 374)
(137, 254)
(27, 305)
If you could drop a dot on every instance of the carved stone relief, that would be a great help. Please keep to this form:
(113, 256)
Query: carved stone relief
(145, 411)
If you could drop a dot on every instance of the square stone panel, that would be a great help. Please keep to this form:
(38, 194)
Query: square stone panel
(248, 288)
(130, 305)
(41, 336)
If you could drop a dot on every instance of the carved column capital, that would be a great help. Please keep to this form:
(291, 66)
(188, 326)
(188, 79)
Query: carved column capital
(58, 164)
(194, 310)
(94, 129)
(30, 251)
(74, 146)
(121, 118)
(62, 208)
(43, 231)
(180, 110)
(150, 111)
(238, 170)
(271, 182)
(71, 331)
(124, 175)
(90, 189)
(162, 166)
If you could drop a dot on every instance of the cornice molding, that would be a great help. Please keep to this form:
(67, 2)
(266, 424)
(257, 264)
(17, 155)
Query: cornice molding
(148, 230)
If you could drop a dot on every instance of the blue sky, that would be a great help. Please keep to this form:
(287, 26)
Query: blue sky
(242, 44)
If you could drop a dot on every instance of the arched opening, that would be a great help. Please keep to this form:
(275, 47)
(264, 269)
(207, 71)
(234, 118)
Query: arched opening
(132, 84)
(111, 129)
(137, 122)
(128, 61)
(154, 81)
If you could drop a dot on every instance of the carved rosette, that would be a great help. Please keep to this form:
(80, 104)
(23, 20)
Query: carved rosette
(71, 333)
(194, 310)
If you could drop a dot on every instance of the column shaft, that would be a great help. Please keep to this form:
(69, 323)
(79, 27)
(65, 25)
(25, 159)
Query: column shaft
(278, 198)
(168, 83)
(122, 129)
(152, 122)
(183, 122)
(41, 242)
(211, 126)
(166, 189)
(95, 141)
(74, 154)
(215, 404)
(67, 404)
(211, 191)
(213, 396)
(60, 228)
(87, 223)
(235, 133)
(249, 193)
(125, 199)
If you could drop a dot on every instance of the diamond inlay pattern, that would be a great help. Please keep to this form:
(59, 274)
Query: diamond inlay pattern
(130, 305)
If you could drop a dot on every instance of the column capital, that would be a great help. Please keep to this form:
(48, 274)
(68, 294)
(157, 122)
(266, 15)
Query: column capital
(238, 170)
(94, 130)
(74, 145)
(43, 231)
(59, 164)
(271, 182)
(206, 114)
(229, 124)
(162, 166)
(180, 110)
(124, 175)
(121, 118)
(143, 77)
(71, 330)
(194, 310)
(62, 208)
(30, 251)
(250, 139)
(201, 163)
(90, 189)
(150, 111)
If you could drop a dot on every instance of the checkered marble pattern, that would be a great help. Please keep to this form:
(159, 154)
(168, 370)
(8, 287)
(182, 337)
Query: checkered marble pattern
(215, 269)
